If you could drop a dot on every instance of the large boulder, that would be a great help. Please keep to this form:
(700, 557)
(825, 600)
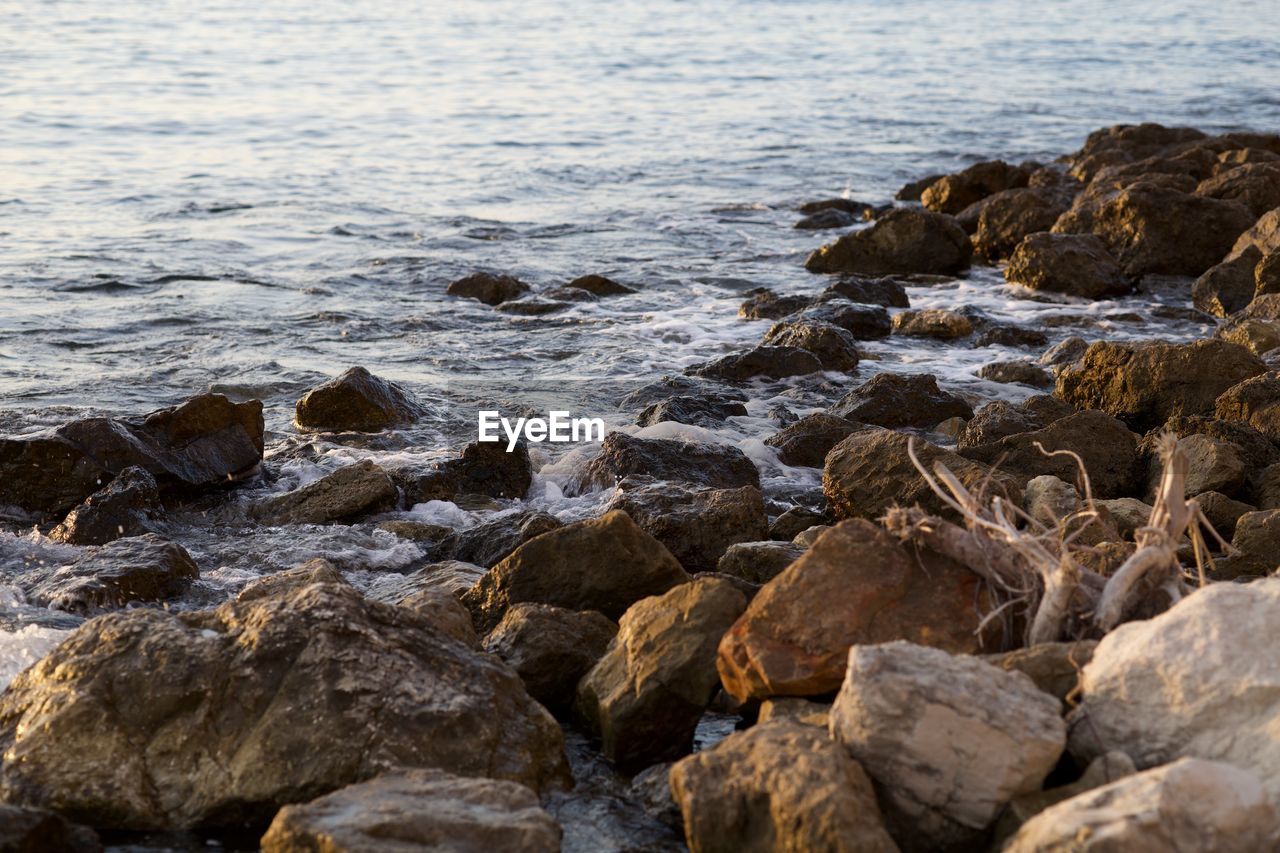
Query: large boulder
(856, 584)
(1255, 401)
(697, 524)
(1193, 682)
(1004, 219)
(344, 495)
(835, 347)
(1186, 805)
(219, 717)
(124, 507)
(483, 468)
(356, 400)
(647, 693)
(953, 193)
(551, 648)
(807, 441)
(1074, 264)
(417, 810)
(489, 288)
(902, 241)
(604, 564)
(1255, 185)
(901, 400)
(950, 739)
(622, 456)
(1145, 384)
(137, 568)
(207, 442)
(780, 785)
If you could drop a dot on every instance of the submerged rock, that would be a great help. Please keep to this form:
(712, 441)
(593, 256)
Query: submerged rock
(599, 285)
(901, 241)
(932, 323)
(488, 288)
(138, 568)
(705, 411)
(488, 542)
(344, 495)
(123, 508)
(551, 648)
(1074, 264)
(697, 524)
(358, 401)
(827, 218)
(716, 465)
(901, 400)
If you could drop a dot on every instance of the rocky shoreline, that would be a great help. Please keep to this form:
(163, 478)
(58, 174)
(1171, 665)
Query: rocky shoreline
(1023, 626)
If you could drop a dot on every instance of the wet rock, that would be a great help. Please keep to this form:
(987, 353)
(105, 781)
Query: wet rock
(489, 542)
(1187, 805)
(901, 241)
(452, 576)
(1256, 542)
(1016, 372)
(1255, 185)
(551, 648)
(953, 193)
(1108, 449)
(41, 831)
(705, 411)
(795, 521)
(767, 305)
(1002, 220)
(357, 400)
(844, 205)
(1191, 682)
(646, 695)
(886, 292)
(599, 285)
(138, 568)
(914, 189)
(780, 785)
(1255, 401)
(1151, 229)
(419, 810)
(344, 495)
(864, 322)
(950, 739)
(678, 386)
(807, 441)
(1074, 264)
(1227, 287)
(1000, 418)
(781, 415)
(205, 443)
(1053, 667)
(489, 288)
(770, 362)
(1010, 336)
(758, 562)
(828, 218)
(715, 465)
(697, 524)
(315, 570)
(834, 346)
(604, 564)
(932, 323)
(900, 400)
(870, 471)
(531, 306)
(222, 693)
(1064, 353)
(1223, 512)
(855, 585)
(483, 468)
(1145, 384)
(124, 507)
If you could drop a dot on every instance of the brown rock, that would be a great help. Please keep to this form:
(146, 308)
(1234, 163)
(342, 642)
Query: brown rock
(914, 189)
(1258, 336)
(767, 305)
(1229, 286)
(1263, 236)
(1213, 465)
(887, 292)
(357, 400)
(138, 568)
(706, 410)
(1075, 264)
(864, 322)
(1255, 185)
(1257, 545)
(1054, 667)
(932, 323)
(1016, 372)
(835, 347)
(953, 193)
(758, 562)
(1000, 418)
(807, 441)
(901, 241)
(344, 495)
(1223, 512)
(124, 507)
(489, 288)
(770, 362)
(551, 648)
(1266, 274)
(488, 542)
(483, 468)
(901, 400)
(622, 456)
(42, 831)
(599, 285)
(1004, 219)
(1256, 401)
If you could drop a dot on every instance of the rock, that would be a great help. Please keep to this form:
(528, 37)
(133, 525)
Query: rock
(124, 507)
(599, 285)
(953, 193)
(1127, 514)
(1051, 500)
(1223, 512)
(1191, 682)
(1127, 143)
(1265, 487)
(1258, 336)
(344, 495)
(770, 362)
(999, 419)
(767, 305)
(705, 411)
(1151, 229)
(1005, 218)
(1213, 465)
(531, 306)
(1074, 264)
(1264, 236)
(674, 386)
(551, 648)
(844, 205)
(1227, 287)
(442, 609)
(1101, 771)
(715, 465)
(1187, 805)
(490, 541)
(604, 564)
(1259, 451)
(218, 717)
(41, 831)
(1064, 353)
(805, 538)
(1145, 384)
(315, 570)
(646, 695)
(795, 521)
(1267, 274)
(138, 568)
(835, 347)
(1054, 667)
(886, 292)
(914, 189)
(932, 323)
(1228, 160)
(1256, 542)
(1255, 185)
(483, 468)
(864, 322)
(452, 576)
(902, 241)
(870, 471)
(1265, 306)
(1016, 372)
(900, 400)
(207, 442)
(358, 401)
(1108, 449)
(778, 786)
(806, 442)
(758, 562)
(417, 810)
(1011, 336)
(828, 218)
(855, 585)
(792, 708)
(489, 288)
(1255, 401)
(950, 739)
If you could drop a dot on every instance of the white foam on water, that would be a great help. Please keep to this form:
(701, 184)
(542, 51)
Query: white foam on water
(24, 647)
